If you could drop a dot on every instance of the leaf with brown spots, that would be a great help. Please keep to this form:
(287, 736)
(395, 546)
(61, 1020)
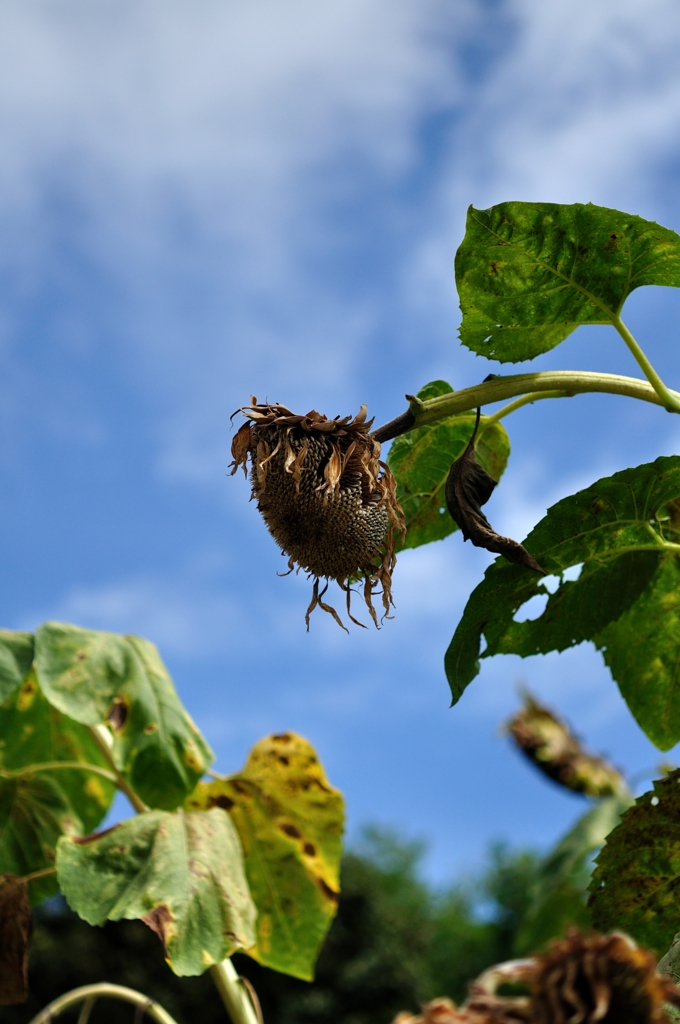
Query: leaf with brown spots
(468, 487)
(529, 273)
(182, 874)
(96, 678)
(635, 882)
(15, 935)
(290, 820)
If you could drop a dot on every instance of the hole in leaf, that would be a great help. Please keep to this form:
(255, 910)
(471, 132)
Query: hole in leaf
(531, 609)
(573, 572)
(551, 583)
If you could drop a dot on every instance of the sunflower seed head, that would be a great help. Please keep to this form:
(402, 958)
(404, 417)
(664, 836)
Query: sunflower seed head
(599, 979)
(325, 496)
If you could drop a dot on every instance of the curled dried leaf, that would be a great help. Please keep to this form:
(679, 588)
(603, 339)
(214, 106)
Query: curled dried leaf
(551, 747)
(468, 487)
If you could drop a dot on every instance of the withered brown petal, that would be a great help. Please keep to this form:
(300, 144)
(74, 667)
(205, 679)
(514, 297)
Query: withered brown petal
(468, 487)
(15, 934)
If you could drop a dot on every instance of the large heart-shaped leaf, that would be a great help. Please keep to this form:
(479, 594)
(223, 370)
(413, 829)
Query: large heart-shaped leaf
(635, 882)
(529, 273)
(613, 528)
(96, 677)
(182, 874)
(421, 459)
(290, 820)
(33, 731)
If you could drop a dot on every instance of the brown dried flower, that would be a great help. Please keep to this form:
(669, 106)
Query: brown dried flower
(552, 748)
(582, 979)
(599, 979)
(325, 496)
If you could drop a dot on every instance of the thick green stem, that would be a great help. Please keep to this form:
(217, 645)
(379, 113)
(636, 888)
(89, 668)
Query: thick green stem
(102, 988)
(234, 994)
(499, 389)
(104, 741)
(669, 399)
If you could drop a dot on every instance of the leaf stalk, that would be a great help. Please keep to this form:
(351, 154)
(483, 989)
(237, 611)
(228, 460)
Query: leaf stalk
(534, 396)
(103, 739)
(669, 399)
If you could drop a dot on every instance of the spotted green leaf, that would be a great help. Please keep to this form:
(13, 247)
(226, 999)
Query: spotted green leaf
(290, 820)
(617, 529)
(529, 273)
(421, 459)
(182, 874)
(635, 883)
(32, 731)
(96, 677)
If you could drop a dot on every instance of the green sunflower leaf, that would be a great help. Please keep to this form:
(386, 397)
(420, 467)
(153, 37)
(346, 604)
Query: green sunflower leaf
(421, 459)
(617, 531)
(32, 731)
(34, 813)
(529, 273)
(290, 820)
(634, 885)
(182, 874)
(96, 677)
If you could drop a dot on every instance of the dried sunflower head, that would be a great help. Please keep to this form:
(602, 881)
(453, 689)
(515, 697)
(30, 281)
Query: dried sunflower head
(586, 979)
(550, 745)
(582, 979)
(325, 496)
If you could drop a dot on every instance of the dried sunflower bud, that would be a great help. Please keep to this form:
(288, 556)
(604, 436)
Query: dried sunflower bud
(599, 979)
(554, 750)
(325, 496)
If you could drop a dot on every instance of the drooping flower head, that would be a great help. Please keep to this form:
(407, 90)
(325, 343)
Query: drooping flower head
(325, 496)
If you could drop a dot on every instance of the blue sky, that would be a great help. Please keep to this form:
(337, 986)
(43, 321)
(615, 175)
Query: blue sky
(203, 201)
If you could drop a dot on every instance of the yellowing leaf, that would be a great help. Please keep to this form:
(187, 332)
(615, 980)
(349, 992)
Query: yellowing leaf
(290, 820)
